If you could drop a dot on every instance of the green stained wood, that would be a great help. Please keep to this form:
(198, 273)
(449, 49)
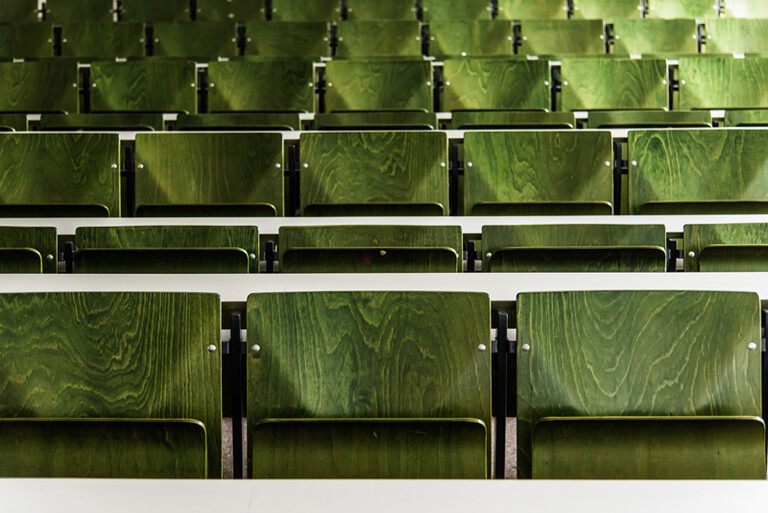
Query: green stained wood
(614, 84)
(374, 173)
(14, 11)
(496, 84)
(26, 40)
(113, 355)
(69, 11)
(671, 9)
(379, 39)
(528, 10)
(144, 86)
(369, 449)
(746, 118)
(451, 38)
(243, 238)
(519, 120)
(738, 36)
(301, 10)
(654, 36)
(607, 9)
(273, 86)
(209, 174)
(378, 85)
(101, 122)
(20, 261)
(557, 37)
(376, 121)
(163, 261)
(238, 121)
(149, 11)
(649, 119)
(203, 40)
(102, 40)
(103, 448)
(456, 10)
(754, 9)
(575, 248)
(39, 86)
(705, 171)
(538, 173)
(726, 247)
(230, 10)
(717, 82)
(358, 10)
(297, 39)
(674, 353)
(58, 175)
(13, 122)
(369, 355)
(42, 242)
(649, 448)
(339, 249)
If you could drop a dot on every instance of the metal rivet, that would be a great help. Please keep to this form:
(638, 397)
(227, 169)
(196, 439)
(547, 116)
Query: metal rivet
(546, 82)
(481, 348)
(256, 349)
(74, 85)
(49, 257)
(429, 83)
(212, 348)
(447, 83)
(432, 38)
(330, 84)
(93, 85)
(278, 165)
(64, 40)
(695, 36)
(634, 162)
(607, 164)
(691, 254)
(192, 85)
(618, 37)
(305, 165)
(469, 164)
(311, 84)
(526, 347)
(157, 40)
(489, 254)
(602, 36)
(664, 82)
(752, 346)
(231, 15)
(682, 82)
(565, 83)
(442, 164)
(383, 253)
(213, 85)
(463, 54)
(113, 166)
(253, 256)
(140, 166)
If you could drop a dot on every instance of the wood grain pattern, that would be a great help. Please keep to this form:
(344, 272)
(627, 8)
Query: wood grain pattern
(43, 240)
(148, 11)
(451, 38)
(649, 448)
(230, 10)
(26, 40)
(575, 248)
(170, 237)
(672, 9)
(614, 84)
(14, 11)
(208, 169)
(649, 119)
(527, 10)
(102, 40)
(712, 170)
(298, 39)
(738, 247)
(745, 9)
(654, 36)
(376, 121)
(608, 10)
(20, 261)
(379, 39)
(371, 173)
(201, 40)
(518, 120)
(550, 172)
(103, 448)
(44, 86)
(359, 10)
(163, 261)
(301, 10)
(369, 449)
(13, 122)
(60, 170)
(496, 84)
(716, 82)
(113, 355)
(101, 122)
(266, 86)
(378, 85)
(675, 353)
(68, 11)
(370, 249)
(736, 36)
(456, 10)
(558, 37)
(144, 86)
(235, 121)
(369, 355)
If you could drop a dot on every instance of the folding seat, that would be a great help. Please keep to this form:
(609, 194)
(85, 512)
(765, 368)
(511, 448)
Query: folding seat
(13, 122)
(384, 385)
(209, 174)
(378, 39)
(564, 172)
(144, 86)
(151, 11)
(726, 247)
(527, 10)
(230, 10)
(301, 10)
(80, 11)
(15, 11)
(100, 122)
(738, 36)
(370, 249)
(557, 37)
(486, 38)
(110, 384)
(374, 173)
(376, 121)
(39, 86)
(746, 118)
(361, 10)
(298, 39)
(719, 83)
(704, 171)
(201, 40)
(655, 36)
(94, 41)
(575, 248)
(456, 10)
(59, 175)
(479, 120)
(236, 121)
(26, 41)
(167, 249)
(28, 249)
(608, 10)
(614, 84)
(649, 119)
(672, 9)
(639, 385)
(752, 9)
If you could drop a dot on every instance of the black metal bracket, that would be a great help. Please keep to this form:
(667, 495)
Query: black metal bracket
(69, 257)
(43, 11)
(235, 349)
(149, 40)
(609, 37)
(764, 349)
(419, 11)
(494, 9)
(620, 168)
(571, 9)
(294, 198)
(557, 86)
(344, 10)
(242, 40)
(193, 10)
(502, 350)
(84, 90)
(334, 41)
(517, 38)
(455, 170)
(438, 86)
(674, 85)
(268, 9)
(119, 10)
(700, 36)
(202, 90)
(320, 85)
(57, 41)
(269, 256)
(128, 171)
(673, 253)
(472, 256)
(425, 39)
(646, 8)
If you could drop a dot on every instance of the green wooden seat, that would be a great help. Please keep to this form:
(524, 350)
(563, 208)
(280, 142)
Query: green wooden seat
(655, 36)
(672, 9)
(496, 84)
(614, 84)
(456, 10)
(59, 175)
(374, 173)
(538, 173)
(202, 40)
(26, 40)
(100, 122)
(726, 247)
(468, 120)
(705, 171)
(753, 9)
(301, 10)
(93, 41)
(28, 249)
(144, 86)
(673, 390)
(201, 249)
(15, 11)
(361, 10)
(738, 36)
(376, 121)
(233, 121)
(381, 85)
(103, 448)
(746, 118)
(575, 248)
(273, 86)
(150, 11)
(230, 10)
(559, 37)
(486, 38)
(78, 11)
(378, 39)
(649, 119)
(13, 122)
(370, 249)
(527, 10)
(608, 10)
(131, 356)
(209, 174)
(298, 39)
(717, 83)
(385, 385)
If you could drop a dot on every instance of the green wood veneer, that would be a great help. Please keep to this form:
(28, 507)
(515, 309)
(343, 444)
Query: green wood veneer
(746, 118)
(14, 11)
(745, 9)
(528, 10)
(195, 39)
(649, 119)
(68, 11)
(39, 86)
(456, 10)
(558, 37)
(102, 40)
(42, 243)
(26, 40)
(150, 11)
(608, 10)
(230, 10)
(163, 261)
(376, 121)
(518, 120)
(378, 39)
(13, 122)
(101, 122)
(297, 39)
(670, 9)
(726, 247)
(377, 10)
(736, 36)
(717, 82)
(238, 121)
(20, 261)
(654, 36)
(451, 38)
(301, 10)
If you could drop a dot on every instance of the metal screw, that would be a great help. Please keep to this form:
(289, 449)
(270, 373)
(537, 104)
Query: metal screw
(253, 256)
(256, 349)
(607, 164)
(140, 166)
(526, 347)
(463, 54)
(565, 83)
(383, 253)
(74, 85)
(682, 82)
(305, 165)
(442, 164)
(192, 85)
(330, 84)
(481, 348)
(278, 165)
(213, 85)
(489, 254)
(691, 254)
(114, 166)
(429, 83)
(752, 346)
(447, 83)
(49, 257)
(93, 85)
(664, 82)
(634, 162)
(212, 348)
(469, 164)
(546, 82)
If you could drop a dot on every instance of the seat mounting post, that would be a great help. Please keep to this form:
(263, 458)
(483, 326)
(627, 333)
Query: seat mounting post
(500, 394)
